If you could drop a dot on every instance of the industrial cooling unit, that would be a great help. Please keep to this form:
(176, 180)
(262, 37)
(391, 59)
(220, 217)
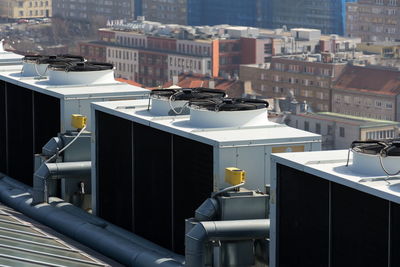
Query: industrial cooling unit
(336, 208)
(38, 98)
(157, 169)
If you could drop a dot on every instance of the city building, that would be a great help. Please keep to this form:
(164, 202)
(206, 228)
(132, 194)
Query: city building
(93, 9)
(306, 77)
(12, 9)
(326, 15)
(152, 53)
(232, 87)
(233, 12)
(169, 12)
(371, 92)
(374, 20)
(339, 131)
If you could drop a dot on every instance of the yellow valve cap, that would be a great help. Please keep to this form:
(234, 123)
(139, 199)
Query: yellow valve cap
(234, 176)
(78, 121)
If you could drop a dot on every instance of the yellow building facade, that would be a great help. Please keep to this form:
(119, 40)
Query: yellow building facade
(18, 9)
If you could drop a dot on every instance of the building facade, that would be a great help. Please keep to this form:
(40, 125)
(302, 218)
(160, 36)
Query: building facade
(326, 15)
(12, 9)
(308, 79)
(374, 20)
(164, 51)
(233, 12)
(369, 92)
(94, 9)
(168, 12)
(339, 131)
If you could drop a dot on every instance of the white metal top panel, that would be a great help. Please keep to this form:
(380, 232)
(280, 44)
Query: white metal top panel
(136, 110)
(331, 165)
(12, 74)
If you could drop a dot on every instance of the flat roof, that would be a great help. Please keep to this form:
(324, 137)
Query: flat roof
(25, 242)
(331, 165)
(361, 121)
(136, 110)
(12, 74)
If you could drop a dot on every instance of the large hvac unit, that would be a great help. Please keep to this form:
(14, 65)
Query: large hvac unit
(38, 98)
(336, 208)
(152, 172)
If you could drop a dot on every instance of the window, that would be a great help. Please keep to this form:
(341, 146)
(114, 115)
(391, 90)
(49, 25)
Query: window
(329, 130)
(306, 126)
(318, 128)
(341, 132)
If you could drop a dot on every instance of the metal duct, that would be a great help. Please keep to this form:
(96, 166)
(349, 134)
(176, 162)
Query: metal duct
(203, 232)
(207, 211)
(54, 170)
(89, 230)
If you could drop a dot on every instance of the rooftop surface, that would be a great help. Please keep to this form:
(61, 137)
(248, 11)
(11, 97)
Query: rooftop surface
(136, 110)
(331, 165)
(24, 242)
(348, 119)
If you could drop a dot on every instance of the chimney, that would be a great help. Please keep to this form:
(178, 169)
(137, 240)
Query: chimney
(175, 80)
(211, 84)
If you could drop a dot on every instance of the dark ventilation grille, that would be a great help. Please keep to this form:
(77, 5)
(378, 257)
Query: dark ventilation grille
(20, 133)
(187, 93)
(359, 228)
(153, 187)
(27, 121)
(228, 104)
(170, 176)
(3, 128)
(114, 169)
(303, 219)
(322, 223)
(46, 119)
(193, 182)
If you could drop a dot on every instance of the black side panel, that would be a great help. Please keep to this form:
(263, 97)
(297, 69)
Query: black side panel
(152, 186)
(395, 235)
(20, 133)
(3, 128)
(193, 182)
(114, 169)
(302, 219)
(47, 119)
(359, 228)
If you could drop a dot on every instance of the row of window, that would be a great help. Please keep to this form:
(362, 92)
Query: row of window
(126, 55)
(277, 78)
(32, 4)
(329, 128)
(380, 135)
(363, 101)
(306, 69)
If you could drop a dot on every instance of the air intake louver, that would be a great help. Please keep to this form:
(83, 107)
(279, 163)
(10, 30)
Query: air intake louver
(165, 176)
(229, 104)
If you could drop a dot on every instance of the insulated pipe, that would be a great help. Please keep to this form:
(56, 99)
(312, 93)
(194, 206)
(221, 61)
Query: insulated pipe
(203, 232)
(207, 211)
(54, 170)
(90, 230)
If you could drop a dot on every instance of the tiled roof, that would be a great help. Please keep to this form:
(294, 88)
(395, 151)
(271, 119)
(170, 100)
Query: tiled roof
(197, 80)
(370, 79)
(129, 82)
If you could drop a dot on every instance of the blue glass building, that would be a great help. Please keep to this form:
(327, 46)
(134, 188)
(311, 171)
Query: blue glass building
(233, 12)
(327, 15)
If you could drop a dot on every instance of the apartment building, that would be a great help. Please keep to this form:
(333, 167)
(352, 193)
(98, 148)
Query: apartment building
(25, 9)
(370, 92)
(339, 131)
(94, 9)
(374, 20)
(164, 51)
(308, 78)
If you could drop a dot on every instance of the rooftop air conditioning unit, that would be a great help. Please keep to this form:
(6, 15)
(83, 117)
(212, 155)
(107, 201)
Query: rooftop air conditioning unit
(337, 208)
(33, 110)
(37, 65)
(172, 163)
